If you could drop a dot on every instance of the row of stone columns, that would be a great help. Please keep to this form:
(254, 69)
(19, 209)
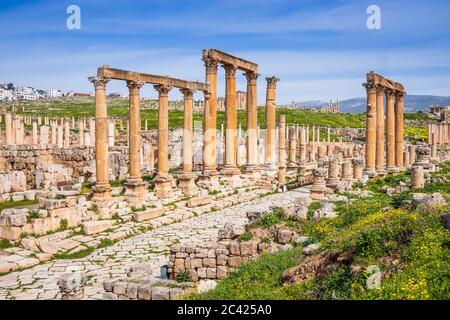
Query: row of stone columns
(438, 134)
(375, 161)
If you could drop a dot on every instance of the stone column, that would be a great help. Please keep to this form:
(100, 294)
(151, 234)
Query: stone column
(187, 179)
(347, 171)
(9, 129)
(66, 133)
(292, 149)
(318, 187)
(412, 154)
(111, 134)
(282, 152)
(357, 169)
(379, 161)
(270, 158)
(54, 131)
(318, 134)
(135, 190)
(371, 123)
(399, 109)
(92, 131)
(328, 134)
(406, 158)
(333, 173)
(252, 166)
(417, 177)
(60, 138)
(303, 145)
(102, 188)
(35, 133)
(230, 167)
(210, 119)
(43, 135)
(390, 132)
(81, 131)
(163, 181)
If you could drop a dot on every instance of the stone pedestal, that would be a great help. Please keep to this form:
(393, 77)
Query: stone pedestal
(333, 174)
(357, 169)
(209, 180)
(417, 177)
(187, 184)
(163, 186)
(318, 187)
(135, 191)
(347, 171)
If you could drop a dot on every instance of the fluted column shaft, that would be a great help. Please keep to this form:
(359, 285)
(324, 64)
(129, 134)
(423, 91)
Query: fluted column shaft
(379, 161)
(134, 88)
(390, 131)
(399, 109)
(371, 123)
(252, 121)
(210, 118)
(230, 117)
(101, 140)
(163, 129)
(270, 120)
(187, 132)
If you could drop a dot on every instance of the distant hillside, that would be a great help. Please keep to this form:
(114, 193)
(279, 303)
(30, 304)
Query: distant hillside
(413, 103)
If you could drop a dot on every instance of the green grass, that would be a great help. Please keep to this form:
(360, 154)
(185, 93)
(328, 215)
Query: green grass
(17, 204)
(5, 244)
(256, 279)
(76, 255)
(408, 245)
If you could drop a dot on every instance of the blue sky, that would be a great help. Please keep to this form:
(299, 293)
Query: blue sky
(319, 49)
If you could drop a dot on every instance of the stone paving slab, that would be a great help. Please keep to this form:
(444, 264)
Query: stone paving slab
(151, 247)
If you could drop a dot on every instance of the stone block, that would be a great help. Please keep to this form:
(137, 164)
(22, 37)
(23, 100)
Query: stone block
(209, 262)
(10, 233)
(144, 292)
(249, 248)
(160, 293)
(199, 201)
(221, 260)
(234, 261)
(201, 272)
(94, 227)
(148, 214)
(196, 263)
(211, 273)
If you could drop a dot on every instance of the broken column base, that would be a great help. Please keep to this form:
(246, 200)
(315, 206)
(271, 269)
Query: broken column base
(318, 192)
(71, 286)
(269, 169)
(187, 184)
(209, 180)
(163, 186)
(101, 193)
(135, 192)
(231, 175)
(253, 172)
(371, 172)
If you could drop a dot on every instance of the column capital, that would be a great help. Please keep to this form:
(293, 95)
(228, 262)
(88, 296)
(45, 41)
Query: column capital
(187, 93)
(98, 82)
(207, 95)
(380, 89)
(272, 82)
(211, 65)
(251, 76)
(371, 87)
(162, 89)
(133, 84)
(389, 93)
(400, 94)
(230, 70)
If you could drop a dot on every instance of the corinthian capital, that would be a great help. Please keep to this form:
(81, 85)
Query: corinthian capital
(187, 93)
(99, 82)
(389, 93)
(133, 84)
(371, 87)
(272, 82)
(162, 89)
(210, 64)
(251, 76)
(400, 95)
(230, 70)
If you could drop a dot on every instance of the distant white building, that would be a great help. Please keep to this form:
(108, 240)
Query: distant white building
(6, 95)
(53, 93)
(25, 93)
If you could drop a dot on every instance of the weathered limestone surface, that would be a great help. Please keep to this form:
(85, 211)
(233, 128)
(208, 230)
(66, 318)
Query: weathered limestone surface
(40, 282)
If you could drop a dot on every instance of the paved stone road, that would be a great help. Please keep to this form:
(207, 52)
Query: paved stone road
(40, 282)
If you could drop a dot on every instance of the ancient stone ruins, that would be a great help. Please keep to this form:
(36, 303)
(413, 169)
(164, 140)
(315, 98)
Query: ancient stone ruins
(187, 194)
